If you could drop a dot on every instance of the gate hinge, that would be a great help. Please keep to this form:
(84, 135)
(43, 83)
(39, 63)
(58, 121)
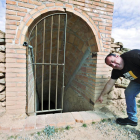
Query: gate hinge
(91, 102)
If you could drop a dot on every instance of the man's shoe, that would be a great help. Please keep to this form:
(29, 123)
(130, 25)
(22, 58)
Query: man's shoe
(126, 121)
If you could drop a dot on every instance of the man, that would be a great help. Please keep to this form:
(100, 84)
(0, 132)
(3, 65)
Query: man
(127, 65)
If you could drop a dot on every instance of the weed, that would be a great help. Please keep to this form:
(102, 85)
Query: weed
(138, 101)
(59, 129)
(84, 125)
(38, 133)
(103, 120)
(12, 137)
(49, 130)
(138, 106)
(109, 120)
(67, 127)
(93, 122)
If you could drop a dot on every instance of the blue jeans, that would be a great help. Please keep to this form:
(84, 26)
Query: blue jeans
(131, 92)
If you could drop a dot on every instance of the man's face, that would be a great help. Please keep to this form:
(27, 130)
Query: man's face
(116, 62)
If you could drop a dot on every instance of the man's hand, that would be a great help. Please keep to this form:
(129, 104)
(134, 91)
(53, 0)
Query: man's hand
(100, 99)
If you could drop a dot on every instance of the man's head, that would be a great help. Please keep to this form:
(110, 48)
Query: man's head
(114, 61)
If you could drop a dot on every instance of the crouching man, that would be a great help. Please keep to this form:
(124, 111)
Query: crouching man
(126, 65)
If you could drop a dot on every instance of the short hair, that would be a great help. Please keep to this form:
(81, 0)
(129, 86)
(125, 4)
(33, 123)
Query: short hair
(111, 54)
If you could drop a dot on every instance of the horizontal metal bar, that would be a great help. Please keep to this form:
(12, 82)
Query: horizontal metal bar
(45, 64)
(46, 111)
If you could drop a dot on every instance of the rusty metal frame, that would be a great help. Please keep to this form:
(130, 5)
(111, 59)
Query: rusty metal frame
(50, 64)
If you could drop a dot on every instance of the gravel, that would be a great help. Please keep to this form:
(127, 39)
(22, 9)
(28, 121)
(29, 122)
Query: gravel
(107, 129)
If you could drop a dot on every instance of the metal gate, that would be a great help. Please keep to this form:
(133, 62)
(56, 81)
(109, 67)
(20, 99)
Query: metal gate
(46, 64)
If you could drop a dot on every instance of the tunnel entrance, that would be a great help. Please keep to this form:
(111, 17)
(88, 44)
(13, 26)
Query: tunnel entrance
(46, 64)
(60, 54)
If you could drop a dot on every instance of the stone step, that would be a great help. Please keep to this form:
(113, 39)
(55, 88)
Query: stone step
(57, 120)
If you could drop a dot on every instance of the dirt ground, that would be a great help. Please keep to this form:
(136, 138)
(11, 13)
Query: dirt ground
(104, 130)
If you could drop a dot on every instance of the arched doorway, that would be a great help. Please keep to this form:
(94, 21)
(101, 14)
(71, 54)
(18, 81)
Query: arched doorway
(52, 65)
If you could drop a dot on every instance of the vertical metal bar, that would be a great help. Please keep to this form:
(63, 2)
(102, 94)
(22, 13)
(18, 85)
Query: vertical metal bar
(35, 70)
(27, 100)
(65, 21)
(50, 62)
(57, 62)
(43, 66)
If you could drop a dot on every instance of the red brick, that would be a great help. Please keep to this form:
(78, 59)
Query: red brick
(107, 39)
(29, 22)
(36, 15)
(12, 27)
(21, 84)
(101, 27)
(26, 17)
(10, 95)
(10, 75)
(21, 51)
(10, 103)
(9, 41)
(21, 60)
(49, 4)
(108, 2)
(10, 2)
(21, 94)
(108, 28)
(13, 17)
(106, 46)
(41, 7)
(33, 11)
(15, 46)
(11, 32)
(26, 5)
(21, 14)
(16, 70)
(15, 65)
(76, 3)
(105, 24)
(10, 60)
(68, 6)
(104, 31)
(23, 79)
(15, 8)
(15, 89)
(15, 56)
(106, 17)
(44, 11)
(10, 51)
(58, 4)
(10, 36)
(12, 22)
(35, 2)
(11, 12)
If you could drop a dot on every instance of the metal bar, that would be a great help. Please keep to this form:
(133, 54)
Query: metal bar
(35, 72)
(57, 62)
(50, 62)
(45, 64)
(27, 65)
(44, 18)
(46, 111)
(65, 21)
(43, 67)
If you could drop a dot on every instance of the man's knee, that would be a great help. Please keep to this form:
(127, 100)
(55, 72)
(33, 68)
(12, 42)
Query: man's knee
(127, 92)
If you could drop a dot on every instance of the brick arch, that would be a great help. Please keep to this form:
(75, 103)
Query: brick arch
(36, 13)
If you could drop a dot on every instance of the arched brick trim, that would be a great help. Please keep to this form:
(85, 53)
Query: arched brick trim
(34, 14)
